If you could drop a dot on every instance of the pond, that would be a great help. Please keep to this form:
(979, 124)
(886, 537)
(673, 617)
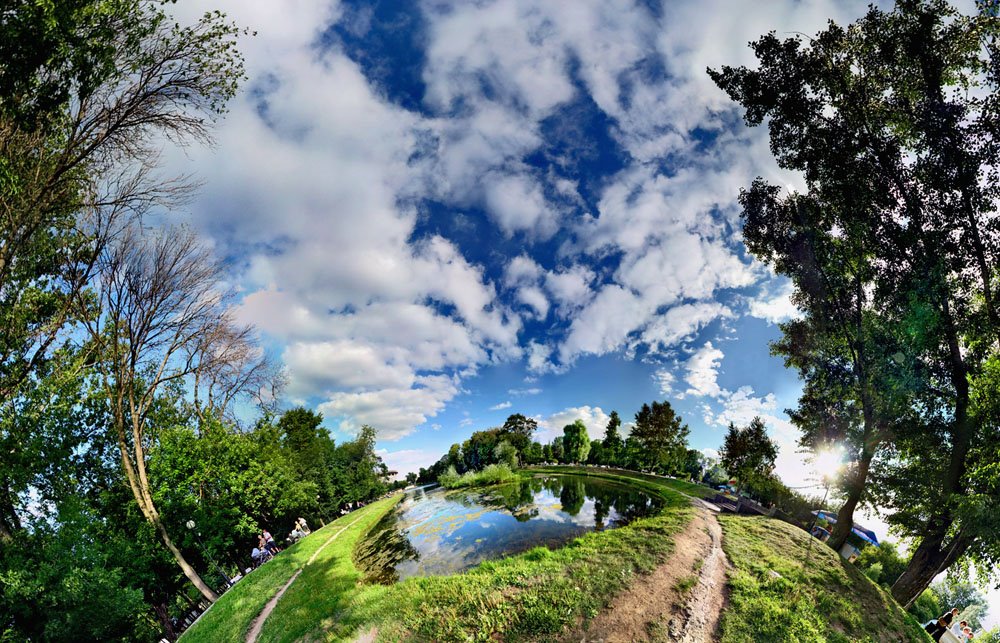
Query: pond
(437, 531)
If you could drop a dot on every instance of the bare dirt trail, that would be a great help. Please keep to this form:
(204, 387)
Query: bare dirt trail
(680, 601)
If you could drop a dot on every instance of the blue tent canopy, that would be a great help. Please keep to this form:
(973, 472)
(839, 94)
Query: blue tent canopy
(858, 530)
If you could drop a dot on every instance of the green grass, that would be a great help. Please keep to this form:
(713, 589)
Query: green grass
(533, 595)
(230, 618)
(775, 596)
(689, 488)
(491, 474)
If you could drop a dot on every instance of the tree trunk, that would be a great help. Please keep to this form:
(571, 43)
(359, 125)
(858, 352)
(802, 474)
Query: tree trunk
(930, 558)
(188, 570)
(145, 502)
(845, 517)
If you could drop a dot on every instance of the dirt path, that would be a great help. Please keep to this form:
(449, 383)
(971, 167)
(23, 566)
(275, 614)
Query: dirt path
(258, 623)
(681, 601)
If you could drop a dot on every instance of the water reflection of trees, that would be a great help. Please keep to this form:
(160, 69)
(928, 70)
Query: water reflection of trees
(385, 547)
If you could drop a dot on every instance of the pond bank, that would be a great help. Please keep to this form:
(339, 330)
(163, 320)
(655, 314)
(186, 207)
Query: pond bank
(534, 595)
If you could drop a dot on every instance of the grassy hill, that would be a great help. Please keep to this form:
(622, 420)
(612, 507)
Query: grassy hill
(783, 590)
(543, 594)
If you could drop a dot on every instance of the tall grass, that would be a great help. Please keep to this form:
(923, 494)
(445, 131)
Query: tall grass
(492, 474)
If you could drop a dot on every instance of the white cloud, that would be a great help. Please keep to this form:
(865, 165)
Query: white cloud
(680, 323)
(518, 205)
(394, 412)
(407, 460)
(665, 380)
(710, 453)
(594, 418)
(775, 306)
(501, 406)
(702, 372)
(309, 186)
(524, 391)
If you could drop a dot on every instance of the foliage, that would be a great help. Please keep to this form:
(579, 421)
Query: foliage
(491, 474)
(892, 121)
(748, 453)
(613, 444)
(888, 561)
(659, 438)
(575, 442)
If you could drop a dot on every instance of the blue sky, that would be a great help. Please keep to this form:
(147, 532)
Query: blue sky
(439, 213)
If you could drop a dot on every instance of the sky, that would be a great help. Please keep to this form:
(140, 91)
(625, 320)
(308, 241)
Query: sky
(440, 213)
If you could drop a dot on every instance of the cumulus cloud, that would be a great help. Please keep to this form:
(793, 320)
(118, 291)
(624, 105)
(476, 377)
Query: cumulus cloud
(593, 417)
(376, 320)
(775, 306)
(701, 372)
(501, 406)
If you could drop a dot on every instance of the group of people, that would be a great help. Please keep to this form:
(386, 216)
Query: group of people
(949, 621)
(266, 547)
(299, 531)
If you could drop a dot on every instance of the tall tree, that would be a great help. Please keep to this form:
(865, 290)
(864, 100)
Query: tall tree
(160, 318)
(520, 430)
(748, 453)
(613, 443)
(662, 436)
(88, 91)
(893, 123)
(575, 442)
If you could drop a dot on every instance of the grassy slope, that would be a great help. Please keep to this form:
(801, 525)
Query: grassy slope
(689, 488)
(230, 618)
(532, 595)
(826, 600)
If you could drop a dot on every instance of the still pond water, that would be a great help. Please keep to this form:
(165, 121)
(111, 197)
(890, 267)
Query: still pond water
(437, 531)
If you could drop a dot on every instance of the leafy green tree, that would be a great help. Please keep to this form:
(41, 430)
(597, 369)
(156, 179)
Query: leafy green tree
(596, 455)
(534, 454)
(361, 475)
(661, 435)
(310, 450)
(558, 449)
(892, 122)
(613, 444)
(694, 463)
(748, 453)
(887, 557)
(506, 453)
(575, 442)
(520, 431)
(88, 90)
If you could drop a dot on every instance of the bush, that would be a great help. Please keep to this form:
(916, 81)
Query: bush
(492, 474)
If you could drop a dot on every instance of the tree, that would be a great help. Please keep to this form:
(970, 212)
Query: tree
(160, 319)
(506, 453)
(310, 450)
(886, 556)
(89, 89)
(893, 124)
(613, 444)
(558, 450)
(694, 463)
(662, 436)
(411, 478)
(748, 453)
(596, 455)
(575, 442)
(520, 430)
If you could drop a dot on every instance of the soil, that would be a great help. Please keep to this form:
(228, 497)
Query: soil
(680, 601)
